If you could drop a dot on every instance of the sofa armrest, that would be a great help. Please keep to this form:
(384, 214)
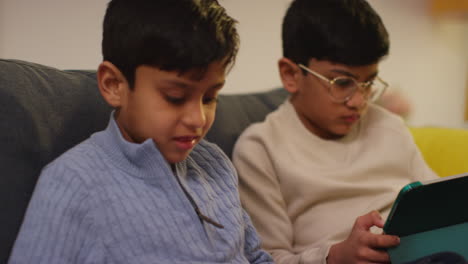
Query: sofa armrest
(444, 149)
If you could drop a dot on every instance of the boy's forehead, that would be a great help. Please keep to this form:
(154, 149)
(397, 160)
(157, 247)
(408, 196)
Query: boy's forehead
(355, 71)
(216, 69)
(195, 74)
(212, 75)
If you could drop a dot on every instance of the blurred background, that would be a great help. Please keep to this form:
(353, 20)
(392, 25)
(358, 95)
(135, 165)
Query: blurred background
(427, 66)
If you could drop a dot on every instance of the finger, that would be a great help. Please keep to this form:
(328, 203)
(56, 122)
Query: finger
(381, 241)
(373, 255)
(368, 220)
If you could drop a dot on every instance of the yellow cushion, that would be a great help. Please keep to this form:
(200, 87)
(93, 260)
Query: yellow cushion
(444, 149)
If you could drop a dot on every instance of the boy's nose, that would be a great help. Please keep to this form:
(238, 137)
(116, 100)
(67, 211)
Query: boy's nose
(195, 116)
(358, 99)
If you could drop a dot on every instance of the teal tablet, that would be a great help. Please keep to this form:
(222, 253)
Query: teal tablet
(430, 217)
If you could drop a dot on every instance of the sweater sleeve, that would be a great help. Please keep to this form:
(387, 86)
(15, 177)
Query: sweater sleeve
(253, 251)
(261, 196)
(58, 227)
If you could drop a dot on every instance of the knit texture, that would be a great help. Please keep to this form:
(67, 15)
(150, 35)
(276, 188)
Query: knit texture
(111, 201)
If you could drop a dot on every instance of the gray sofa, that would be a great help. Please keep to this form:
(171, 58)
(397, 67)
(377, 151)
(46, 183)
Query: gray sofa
(45, 111)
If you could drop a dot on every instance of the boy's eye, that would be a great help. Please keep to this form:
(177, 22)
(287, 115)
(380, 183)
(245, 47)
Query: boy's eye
(369, 83)
(344, 82)
(175, 100)
(209, 100)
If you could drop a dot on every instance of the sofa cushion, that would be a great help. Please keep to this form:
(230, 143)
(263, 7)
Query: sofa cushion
(43, 112)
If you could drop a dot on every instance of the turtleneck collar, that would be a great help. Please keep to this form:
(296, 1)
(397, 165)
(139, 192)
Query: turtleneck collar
(140, 160)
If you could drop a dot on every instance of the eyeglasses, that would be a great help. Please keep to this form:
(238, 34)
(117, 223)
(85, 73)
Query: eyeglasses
(341, 89)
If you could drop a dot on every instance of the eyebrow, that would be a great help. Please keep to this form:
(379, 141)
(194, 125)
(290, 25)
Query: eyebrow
(218, 86)
(346, 73)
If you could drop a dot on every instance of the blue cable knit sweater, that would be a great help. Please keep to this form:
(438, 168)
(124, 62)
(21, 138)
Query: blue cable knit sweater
(111, 201)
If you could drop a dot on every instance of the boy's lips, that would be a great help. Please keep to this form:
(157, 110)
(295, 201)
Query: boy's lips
(186, 142)
(351, 118)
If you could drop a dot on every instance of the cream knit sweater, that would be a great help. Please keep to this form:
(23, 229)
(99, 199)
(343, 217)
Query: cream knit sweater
(304, 193)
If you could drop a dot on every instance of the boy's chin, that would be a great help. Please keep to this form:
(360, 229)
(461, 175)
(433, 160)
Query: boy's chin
(176, 158)
(339, 133)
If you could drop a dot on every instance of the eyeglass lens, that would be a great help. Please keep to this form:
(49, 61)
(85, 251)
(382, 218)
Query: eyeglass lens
(343, 88)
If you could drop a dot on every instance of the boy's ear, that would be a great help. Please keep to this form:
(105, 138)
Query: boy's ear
(289, 74)
(112, 84)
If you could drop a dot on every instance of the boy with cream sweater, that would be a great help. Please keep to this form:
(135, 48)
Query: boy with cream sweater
(324, 169)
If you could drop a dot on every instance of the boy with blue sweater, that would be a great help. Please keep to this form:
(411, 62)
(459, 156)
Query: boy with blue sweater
(148, 189)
